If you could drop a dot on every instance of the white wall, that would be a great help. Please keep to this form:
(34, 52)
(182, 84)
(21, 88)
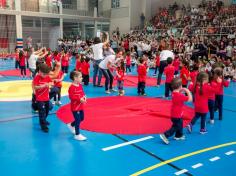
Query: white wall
(54, 34)
(122, 23)
(82, 5)
(135, 12)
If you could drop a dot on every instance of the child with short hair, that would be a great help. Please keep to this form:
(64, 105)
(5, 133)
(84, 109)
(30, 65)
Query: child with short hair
(169, 71)
(58, 84)
(142, 73)
(120, 72)
(201, 92)
(128, 62)
(85, 67)
(41, 86)
(178, 99)
(184, 73)
(78, 99)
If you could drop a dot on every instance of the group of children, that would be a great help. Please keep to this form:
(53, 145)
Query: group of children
(205, 90)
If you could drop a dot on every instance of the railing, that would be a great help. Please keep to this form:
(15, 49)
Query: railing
(105, 14)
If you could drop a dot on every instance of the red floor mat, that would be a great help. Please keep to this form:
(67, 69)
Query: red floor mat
(13, 72)
(125, 115)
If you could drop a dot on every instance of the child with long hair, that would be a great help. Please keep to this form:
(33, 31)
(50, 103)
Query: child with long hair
(221, 83)
(201, 92)
(120, 72)
(22, 60)
(128, 61)
(178, 99)
(78, 99)
(85, 67)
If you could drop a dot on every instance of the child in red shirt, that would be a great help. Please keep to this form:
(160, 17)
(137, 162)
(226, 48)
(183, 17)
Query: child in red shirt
(78, 63)
(58, 85)
(142, 73)
(157, 61)
(65, 62)
(85, 70)
(78, 99)
(220, 84)
(169, 71)
(120, 72)
(22, 60)
(201, 92)
(128, 62)
(41, 85)
(176, 64)
(184, 73)
(178, 99)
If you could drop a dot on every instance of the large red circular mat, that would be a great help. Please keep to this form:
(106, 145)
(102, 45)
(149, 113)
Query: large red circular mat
(126, 115)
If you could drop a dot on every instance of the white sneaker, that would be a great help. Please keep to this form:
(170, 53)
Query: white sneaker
(80, 137)
(53, 102)
(212, 121)
(107, 92)
(164, 139)
(59, 103)
(71, 128)
(113, 90)
(179, 138)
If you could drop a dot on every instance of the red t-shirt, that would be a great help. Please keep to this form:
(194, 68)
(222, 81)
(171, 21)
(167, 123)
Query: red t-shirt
(49, 60)
(193, 76)
(22, 60)
(220, 87)
(78, 65)
(184, 71)
(212, 94)
(142, 72)
(59, 76)
(201, 101)
(157, 60)
(178, 100)
(75, 94)
(57, 58)
(191, 86)
(121, 73)
(85, 68)
(169, 71)
(65, 60)
(128, 60)
(176, 64)
(43, 93)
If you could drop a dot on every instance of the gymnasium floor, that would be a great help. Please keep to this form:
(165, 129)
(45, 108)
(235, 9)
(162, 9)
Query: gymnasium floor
(25, 150)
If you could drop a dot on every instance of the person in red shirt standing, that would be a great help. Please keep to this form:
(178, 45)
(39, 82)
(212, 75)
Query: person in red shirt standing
(178, 99)
(78, 99)
(176, 64)
(78, 62)
(142, 73)
(65, 62)
(58, 84)
(16, 56)
(184, 73)
(201, 92)
(22, 60)
(220, 84)
(128, 62)
(169, 72)
(120, 72)
(85, 67)
(41, 86)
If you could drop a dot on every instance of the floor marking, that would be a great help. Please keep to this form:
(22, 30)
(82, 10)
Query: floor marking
(181, 172)
(152, 154)
(197, 165)
(230, 152)
(126, 143)
(214, 159)
(182, 157)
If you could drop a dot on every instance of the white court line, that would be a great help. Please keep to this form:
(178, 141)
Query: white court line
(230, 152)
(126, 143)
(181, 172)
(214, 159)
(197, 165)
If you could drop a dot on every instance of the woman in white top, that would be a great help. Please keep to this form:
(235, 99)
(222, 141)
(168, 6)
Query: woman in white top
(106, 65)
(98, 57)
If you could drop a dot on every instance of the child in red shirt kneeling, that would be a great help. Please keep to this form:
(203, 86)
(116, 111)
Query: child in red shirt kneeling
(178, 99)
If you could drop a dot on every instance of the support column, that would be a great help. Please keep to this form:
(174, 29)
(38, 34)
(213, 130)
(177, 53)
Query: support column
(61, 21)
(83, 36)
(19, 36)
(95, 28)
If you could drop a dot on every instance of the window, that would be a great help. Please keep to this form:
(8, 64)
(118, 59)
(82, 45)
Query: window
(115, 3)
